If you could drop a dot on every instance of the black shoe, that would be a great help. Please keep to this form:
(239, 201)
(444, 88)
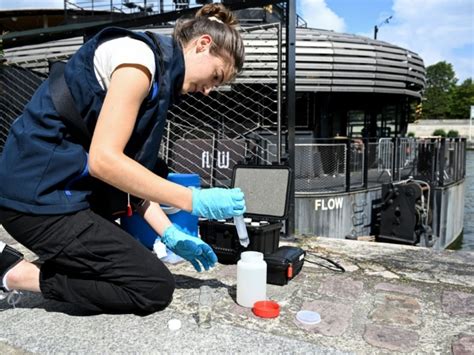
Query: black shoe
(9, 257)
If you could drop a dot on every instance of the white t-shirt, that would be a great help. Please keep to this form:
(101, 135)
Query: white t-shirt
(123, 50)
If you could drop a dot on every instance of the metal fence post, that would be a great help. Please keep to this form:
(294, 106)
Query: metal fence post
(348, 165)
(290, 102)
(442, 155)
(365, 168)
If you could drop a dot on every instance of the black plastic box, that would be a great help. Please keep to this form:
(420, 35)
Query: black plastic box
(266, 189)
(224, 240)
(284, 264)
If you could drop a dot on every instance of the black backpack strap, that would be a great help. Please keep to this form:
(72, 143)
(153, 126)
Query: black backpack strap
(65, 105)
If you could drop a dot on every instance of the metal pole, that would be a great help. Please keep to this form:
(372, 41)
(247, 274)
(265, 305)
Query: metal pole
(290, 103)
(376, 29)
(470, 124)
(348, 165)
(279, 86)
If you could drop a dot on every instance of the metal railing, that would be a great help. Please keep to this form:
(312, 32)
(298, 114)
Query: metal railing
(127, 6)
(342, 165)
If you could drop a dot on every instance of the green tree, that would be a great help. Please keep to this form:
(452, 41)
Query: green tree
(440, 83)
(462, 100)
(439, 132)
(452, 134)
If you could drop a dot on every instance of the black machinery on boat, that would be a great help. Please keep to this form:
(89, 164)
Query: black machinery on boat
(403, 215)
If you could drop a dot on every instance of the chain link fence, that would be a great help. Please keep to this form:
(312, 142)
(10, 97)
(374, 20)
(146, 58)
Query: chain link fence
(324, 166)
(235, 124)
(17, 85)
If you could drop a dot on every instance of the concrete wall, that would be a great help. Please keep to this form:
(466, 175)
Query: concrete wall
(335, 215)
(340, 214)
(424, 128)
(448, 213)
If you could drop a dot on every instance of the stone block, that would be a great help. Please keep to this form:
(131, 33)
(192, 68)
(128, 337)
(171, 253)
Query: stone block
(464, 345)
(458, 303)
(397, 309)
(391, 338)
(345, 288)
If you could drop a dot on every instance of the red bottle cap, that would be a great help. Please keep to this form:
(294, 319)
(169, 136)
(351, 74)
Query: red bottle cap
(266, 309)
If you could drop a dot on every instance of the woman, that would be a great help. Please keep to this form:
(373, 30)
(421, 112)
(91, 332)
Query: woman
(54, 184)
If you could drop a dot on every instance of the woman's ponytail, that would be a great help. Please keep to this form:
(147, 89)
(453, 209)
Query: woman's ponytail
(220, 23)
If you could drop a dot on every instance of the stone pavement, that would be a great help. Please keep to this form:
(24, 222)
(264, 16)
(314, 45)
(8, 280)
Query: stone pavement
(391, 299)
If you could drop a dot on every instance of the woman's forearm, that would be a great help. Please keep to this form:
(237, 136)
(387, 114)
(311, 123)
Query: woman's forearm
(155, 216)
(127, 175)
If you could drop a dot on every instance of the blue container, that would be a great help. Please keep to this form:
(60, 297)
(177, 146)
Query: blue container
(185, 220)
(139, 228)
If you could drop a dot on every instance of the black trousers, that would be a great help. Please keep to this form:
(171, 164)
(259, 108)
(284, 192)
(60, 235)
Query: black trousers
(90, 261)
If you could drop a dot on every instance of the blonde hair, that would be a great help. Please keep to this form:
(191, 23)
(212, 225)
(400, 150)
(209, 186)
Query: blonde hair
(218, 22)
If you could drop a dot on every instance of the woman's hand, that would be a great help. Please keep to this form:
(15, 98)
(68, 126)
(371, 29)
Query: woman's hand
(218, 203)
(190, 248)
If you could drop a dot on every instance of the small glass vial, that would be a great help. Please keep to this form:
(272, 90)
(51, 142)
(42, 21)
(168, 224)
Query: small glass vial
(205, 307)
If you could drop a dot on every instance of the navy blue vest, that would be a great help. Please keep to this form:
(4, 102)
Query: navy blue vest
(43, 170)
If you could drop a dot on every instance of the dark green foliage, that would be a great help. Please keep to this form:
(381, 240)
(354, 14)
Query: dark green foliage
(443, 98)
(462, 100)
(452, 134)
(439, 132)
(440, 82)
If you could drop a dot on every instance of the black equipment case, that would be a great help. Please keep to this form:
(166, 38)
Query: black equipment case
(284, 264)
(267, 190)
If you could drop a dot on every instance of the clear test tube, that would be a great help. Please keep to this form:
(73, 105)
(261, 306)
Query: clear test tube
(241, 231)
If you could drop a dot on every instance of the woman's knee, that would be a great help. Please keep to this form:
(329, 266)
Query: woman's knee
(159, 296)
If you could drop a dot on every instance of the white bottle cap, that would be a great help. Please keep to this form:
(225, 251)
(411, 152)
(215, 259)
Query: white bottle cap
(251, 256)
(308, 317)
(174, 324)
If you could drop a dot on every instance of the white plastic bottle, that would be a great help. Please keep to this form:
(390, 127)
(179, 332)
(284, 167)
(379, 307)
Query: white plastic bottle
(251, 278)
(241, 231)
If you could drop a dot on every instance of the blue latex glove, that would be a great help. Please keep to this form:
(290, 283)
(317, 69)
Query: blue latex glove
(218, 203)
(190, 248)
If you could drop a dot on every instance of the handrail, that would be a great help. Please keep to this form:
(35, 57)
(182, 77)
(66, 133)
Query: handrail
(345, 164)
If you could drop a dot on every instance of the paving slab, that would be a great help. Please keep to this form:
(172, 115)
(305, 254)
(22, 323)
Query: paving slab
(391, 299)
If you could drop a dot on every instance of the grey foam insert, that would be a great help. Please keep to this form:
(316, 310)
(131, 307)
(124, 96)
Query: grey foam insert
(265, 190)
